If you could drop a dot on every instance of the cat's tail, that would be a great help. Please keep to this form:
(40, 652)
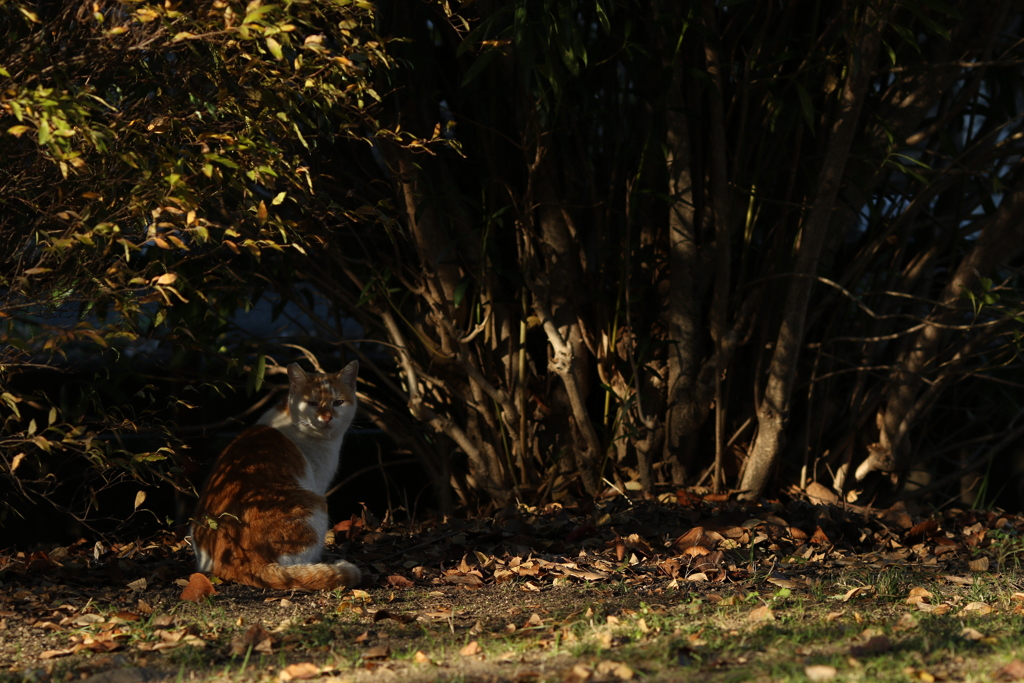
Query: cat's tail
(311, 577)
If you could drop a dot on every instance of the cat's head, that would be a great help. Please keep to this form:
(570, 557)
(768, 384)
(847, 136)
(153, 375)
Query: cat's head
(321, 404)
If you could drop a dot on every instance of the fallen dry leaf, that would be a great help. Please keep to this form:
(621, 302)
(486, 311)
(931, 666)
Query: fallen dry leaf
(691, 538)
(421, 658)
(377, 652)
(820, 672)
(783, 582)
(578, 673)
(959, 580)
(762, 613)
(819, 493)
(198, 587)
(399, 581)
(617, 669)
(855, 592)
(299, 672)
(88, 620)
(256, 637)
(918, 595)
(979, 564)
(934, 609)
(471, 649)
(919, 531)
(1014, 671)
(976, 608)
(395, 616)
(906, 623)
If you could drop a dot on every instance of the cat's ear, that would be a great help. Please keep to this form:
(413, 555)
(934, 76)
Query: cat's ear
(297, 377)
(348, 374)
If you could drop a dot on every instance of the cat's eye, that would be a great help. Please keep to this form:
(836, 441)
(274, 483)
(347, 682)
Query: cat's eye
(339, 402)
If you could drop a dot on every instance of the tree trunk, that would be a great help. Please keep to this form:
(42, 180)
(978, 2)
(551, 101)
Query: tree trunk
(682, 313)
(773, 412)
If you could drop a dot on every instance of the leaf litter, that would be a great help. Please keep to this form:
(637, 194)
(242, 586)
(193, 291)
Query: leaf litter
(556, 588)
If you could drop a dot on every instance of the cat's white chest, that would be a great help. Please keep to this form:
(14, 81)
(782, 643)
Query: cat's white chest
(321, 464)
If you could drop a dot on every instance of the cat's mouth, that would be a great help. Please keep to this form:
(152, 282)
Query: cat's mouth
(318, 426)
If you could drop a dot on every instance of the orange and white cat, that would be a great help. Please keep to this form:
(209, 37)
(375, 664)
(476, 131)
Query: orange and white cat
(262, 517)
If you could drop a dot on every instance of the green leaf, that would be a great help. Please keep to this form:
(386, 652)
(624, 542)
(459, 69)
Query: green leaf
(12, 402)
(261, 369)
(299, 133)
(257, 14)
(44, 132)
(279, 198)
(602, 18)
(275, 49)
(892, 53)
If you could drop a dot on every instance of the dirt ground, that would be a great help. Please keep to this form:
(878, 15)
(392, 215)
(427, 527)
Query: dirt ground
(624, 590)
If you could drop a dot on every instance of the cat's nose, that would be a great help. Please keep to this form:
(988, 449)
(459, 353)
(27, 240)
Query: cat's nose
(325, 418)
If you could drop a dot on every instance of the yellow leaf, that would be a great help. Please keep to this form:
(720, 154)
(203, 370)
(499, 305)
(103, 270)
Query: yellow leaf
(166, 279)
(16, 131)
(177, 242)
(140, 498)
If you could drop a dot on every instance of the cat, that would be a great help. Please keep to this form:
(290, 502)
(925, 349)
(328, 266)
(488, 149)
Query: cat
(262, 517)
